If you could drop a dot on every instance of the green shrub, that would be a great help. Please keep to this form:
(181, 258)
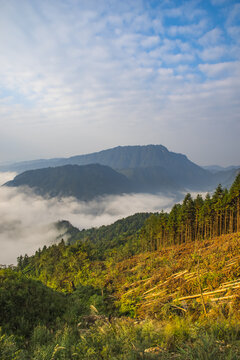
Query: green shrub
(25, 303)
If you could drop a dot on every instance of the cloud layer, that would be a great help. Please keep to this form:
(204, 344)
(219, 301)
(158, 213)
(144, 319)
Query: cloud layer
(26, 220)
(87, 75)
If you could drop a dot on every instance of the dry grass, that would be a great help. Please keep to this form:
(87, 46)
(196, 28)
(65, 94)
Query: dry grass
(169, 277)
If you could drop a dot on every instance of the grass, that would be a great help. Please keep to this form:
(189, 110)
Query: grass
(126, 339)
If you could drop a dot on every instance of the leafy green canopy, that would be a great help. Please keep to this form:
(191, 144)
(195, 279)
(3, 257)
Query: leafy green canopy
(25, 303)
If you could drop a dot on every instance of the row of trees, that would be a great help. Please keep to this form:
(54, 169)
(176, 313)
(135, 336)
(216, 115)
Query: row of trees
(194, 219)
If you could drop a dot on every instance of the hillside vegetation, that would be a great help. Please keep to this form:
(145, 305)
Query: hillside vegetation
(82, 182)
(169, 290)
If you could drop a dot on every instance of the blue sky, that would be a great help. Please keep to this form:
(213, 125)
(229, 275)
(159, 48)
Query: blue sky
(80, 76)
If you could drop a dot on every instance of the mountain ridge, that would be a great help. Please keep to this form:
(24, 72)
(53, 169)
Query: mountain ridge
(83, 182)
(148, 168)
(74, 160)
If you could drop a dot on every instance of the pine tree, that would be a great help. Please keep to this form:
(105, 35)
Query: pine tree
(234, 197)
(217, 207)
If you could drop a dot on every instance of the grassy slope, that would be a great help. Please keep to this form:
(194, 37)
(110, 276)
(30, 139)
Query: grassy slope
(153, 283)
(148, 285)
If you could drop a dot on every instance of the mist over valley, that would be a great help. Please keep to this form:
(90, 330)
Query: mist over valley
(27, 220)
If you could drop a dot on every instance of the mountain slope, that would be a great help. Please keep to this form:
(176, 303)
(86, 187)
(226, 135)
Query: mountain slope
(226, 177)
(174, 168)
(120, 157)
(117, 235)
(82, 182)
(151, 179)
(123, 157)
(216, 168)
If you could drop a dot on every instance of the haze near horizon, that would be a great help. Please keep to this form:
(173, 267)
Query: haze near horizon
(83, 76)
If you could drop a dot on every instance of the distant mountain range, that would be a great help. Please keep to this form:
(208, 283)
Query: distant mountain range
(216, 168)
(124, 169)
(121, 157)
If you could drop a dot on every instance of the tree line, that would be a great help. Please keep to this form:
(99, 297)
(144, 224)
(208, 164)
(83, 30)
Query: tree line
(194, 219)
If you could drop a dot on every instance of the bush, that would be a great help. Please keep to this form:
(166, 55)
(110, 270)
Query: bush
(25, 303)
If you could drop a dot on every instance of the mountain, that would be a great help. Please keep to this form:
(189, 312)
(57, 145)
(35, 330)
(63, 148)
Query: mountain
(88, 181)
(216, 168)
(152, 159)
(226, 177)
(82, 182)
(151, 179)
(120, 157)
(149, 168)
(124, 157)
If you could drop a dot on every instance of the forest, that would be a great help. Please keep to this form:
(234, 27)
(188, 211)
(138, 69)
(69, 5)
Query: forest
(195, 219)
(151, 286)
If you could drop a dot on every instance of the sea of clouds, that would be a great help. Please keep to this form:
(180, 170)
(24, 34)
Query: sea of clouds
(27, 220)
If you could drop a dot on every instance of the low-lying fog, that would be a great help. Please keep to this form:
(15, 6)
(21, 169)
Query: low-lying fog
(26, 220)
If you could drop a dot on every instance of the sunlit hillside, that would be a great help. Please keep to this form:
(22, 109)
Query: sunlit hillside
(145, 287)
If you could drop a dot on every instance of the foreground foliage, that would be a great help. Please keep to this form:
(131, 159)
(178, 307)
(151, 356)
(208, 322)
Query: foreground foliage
(88, 323)
(126, 340)
(25, 303)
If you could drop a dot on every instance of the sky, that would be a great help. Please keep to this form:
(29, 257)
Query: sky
(78, 76)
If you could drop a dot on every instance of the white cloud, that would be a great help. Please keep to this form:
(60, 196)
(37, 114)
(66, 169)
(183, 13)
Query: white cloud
(213, 53)
(6, 176)
(219, 2)
(193, 30)
(165, 72)
(234, 14)
(150, 41)
(26, 220)
(225, 69)
(234, 32)
(187, 11)
(212, 37)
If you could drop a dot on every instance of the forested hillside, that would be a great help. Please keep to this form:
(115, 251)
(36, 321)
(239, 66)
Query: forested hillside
(82, 182)
(166, 286)
(118, 234)
(195, 219)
